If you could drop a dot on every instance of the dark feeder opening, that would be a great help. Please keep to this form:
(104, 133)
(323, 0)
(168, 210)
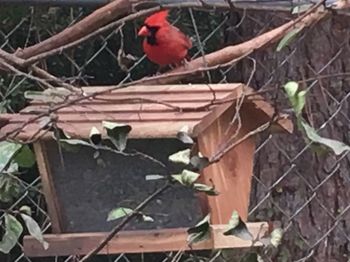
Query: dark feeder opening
(87, 191)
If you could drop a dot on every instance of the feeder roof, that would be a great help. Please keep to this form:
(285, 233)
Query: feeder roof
(152, 111)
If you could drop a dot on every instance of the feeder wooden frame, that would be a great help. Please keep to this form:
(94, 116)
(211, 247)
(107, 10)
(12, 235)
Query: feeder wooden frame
(210, 125)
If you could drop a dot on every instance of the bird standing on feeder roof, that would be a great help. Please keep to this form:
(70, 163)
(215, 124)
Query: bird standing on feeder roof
(164, 44)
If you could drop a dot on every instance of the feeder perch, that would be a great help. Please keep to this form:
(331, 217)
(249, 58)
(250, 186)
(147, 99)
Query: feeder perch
(80, 193)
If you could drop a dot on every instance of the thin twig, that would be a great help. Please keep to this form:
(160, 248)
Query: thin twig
(229, 145)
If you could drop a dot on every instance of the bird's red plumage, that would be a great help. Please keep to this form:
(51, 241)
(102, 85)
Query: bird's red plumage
(171, 44)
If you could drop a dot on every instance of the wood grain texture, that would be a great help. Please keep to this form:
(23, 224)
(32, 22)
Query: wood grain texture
(153, 111)
(51, 199)
(265, 110)
(233, 173)
(148, 119)
(150, 129)
(138, 241)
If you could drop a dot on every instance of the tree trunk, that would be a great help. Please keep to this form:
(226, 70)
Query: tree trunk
(308, 192)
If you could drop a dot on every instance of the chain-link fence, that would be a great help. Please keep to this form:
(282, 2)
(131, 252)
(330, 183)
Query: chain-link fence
(294, 182)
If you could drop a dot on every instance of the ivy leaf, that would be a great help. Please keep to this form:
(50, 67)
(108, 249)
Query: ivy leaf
(13, 230)
(287, 39)
(10, 188)
(200, 232)
(34, 230)
(95, 136)
(238, 228)
(183, 136)
(297, 99)
(182, 157)
(291, 88)
(7, 150)
(209, 190)
(119, 213)
(26, 210)
(186, 178)
(117, 133)
(25, 157)
(274, 239)
(337, 146)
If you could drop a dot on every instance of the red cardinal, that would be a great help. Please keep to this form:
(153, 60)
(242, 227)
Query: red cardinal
(164, 44)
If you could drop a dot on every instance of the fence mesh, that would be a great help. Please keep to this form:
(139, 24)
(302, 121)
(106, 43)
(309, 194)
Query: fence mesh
(306, 191)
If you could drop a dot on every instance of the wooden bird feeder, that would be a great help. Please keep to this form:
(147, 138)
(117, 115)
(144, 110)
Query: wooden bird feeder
(80, 194)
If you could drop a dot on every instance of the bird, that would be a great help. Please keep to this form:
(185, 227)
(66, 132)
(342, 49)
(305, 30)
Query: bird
(164, 44)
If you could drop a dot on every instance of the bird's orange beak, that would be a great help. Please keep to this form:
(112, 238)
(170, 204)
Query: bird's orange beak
(143, 31)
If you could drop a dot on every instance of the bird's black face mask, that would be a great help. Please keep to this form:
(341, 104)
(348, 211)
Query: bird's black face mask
(151, 38)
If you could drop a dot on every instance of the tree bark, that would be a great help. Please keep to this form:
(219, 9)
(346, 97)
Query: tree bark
(310, 199)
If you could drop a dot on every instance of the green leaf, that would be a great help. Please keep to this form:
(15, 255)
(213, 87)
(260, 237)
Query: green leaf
(117, 133)
(238, 228)
(25, 157)
(34, 230)
(26, 210)
(209, 190)
(119, 213)
(274, 239)
(183, 136)
(186, 178)
(337, 146)
(297, 99)
(95, 136)
(291, 88)
(7, 150)
(10, 188)
(13, 168)
(182, 157)
(287, 39)
(13, 230)
(200, 232)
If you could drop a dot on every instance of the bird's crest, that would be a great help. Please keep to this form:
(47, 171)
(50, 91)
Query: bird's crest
(157, 18)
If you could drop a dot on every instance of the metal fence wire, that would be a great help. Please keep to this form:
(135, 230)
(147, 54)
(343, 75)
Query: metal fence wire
(308, 192)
